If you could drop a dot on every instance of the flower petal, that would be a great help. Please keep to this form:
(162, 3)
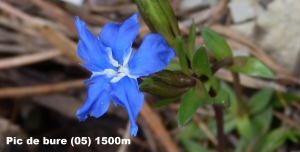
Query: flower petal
(153, 55)
(97, 100)
(119, 37)
(126, 93)
(89, 48)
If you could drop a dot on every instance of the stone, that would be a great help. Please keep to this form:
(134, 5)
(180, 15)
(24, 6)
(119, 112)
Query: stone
(244, 10)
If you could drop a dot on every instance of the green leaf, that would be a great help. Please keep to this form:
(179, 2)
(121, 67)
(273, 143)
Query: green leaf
(191, 42)
(275, 139)
(181, 54)
(251, 66)
(260, 123)
(222, 98)
(188, 131)
(188, 107)
(288, 98)
(242, 145)
(201, 93)
(192, 146)
(200, 63)
(233, 101)
(244, 126)
(217, 45)
(165, 102)
(214, 83)
(173, 66)
(259, 101)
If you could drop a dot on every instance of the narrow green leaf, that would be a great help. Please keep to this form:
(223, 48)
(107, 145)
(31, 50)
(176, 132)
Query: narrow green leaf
(294, 136)
(214, 83)
(251, 66)
(233, 101)
(222, 98)
(192, 146)
(165, 102)
(275, 139)
(173, 66)
(217, 45)
(200, 63)
(201, 93)
(188, 131)
(289, 98)
(191, 41)
(182, 56)
(188, 107)
(259, 101)
(260, 123)
(244, 126)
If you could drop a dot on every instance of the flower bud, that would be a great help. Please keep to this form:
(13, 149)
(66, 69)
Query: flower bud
(163, 90)
(177, 79)
(159, 16)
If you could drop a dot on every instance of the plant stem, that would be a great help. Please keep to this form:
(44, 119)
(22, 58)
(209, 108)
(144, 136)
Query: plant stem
(238, 92)
(220, 64)
(220, 125)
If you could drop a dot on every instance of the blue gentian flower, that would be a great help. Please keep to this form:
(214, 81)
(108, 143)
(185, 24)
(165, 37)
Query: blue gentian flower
(115, 66)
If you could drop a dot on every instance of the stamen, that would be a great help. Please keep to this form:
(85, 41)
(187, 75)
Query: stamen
(111, 59)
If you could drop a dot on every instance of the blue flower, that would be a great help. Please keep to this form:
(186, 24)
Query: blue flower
(115, 66)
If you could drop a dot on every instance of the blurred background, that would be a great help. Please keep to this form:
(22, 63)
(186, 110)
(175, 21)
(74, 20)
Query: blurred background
(41, 81)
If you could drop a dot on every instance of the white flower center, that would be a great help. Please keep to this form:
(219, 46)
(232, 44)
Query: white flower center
(122, 70)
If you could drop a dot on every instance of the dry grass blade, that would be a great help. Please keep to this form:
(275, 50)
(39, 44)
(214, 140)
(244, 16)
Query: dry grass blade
(102, 9)
(206, 130)
(60, 41)
(257, 52)
(292, 123)
(18, 92)
(159, 131)
(28, 59)
(56, 13)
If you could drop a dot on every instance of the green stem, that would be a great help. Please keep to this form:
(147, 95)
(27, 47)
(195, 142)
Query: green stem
(238, 92)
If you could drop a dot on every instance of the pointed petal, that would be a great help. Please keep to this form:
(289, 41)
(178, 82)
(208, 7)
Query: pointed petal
(126, 93)
(89, 48)
(90, 67)
(97, 100)
(119, 37)
(153, 55)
